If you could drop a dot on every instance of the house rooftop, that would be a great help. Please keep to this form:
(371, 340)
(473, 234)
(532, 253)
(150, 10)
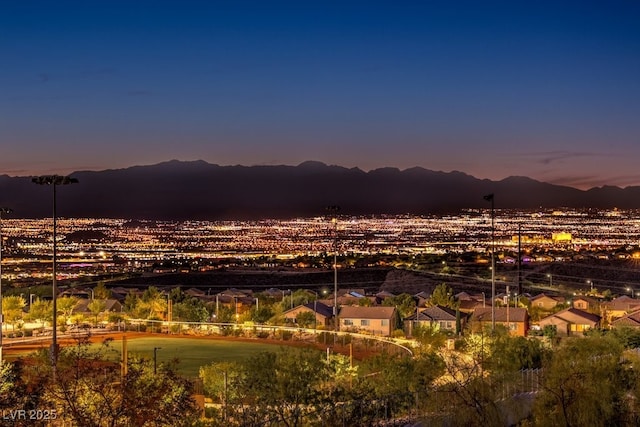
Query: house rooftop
(357, 312)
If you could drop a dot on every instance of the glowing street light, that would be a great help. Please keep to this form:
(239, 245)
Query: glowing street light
(54, 181)
(3, 210)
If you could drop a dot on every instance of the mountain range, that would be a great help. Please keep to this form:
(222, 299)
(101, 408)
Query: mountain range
(197, 190)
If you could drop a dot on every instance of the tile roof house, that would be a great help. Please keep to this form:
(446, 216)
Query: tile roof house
(619, 307)
(571, 322)
(111, 305)
(373, 320)
(546, 302)
(631, 320)
(438, 316)
(469, 305)
(586, 303)
(516, 320)
(323, 313)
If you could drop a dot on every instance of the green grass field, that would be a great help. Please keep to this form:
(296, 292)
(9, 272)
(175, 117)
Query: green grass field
(192, 353)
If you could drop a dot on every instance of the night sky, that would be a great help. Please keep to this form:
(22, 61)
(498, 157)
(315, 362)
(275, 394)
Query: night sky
(545, 89)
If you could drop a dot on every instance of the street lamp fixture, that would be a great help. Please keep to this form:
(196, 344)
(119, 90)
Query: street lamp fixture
(54, 181)
(3, 210)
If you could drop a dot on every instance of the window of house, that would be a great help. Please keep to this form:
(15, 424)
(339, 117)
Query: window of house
(445, 324)
(347, 322)
(364, 322)
(384, 322)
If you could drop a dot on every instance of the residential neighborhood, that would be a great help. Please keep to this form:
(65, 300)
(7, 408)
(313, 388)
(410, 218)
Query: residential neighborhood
(381, 314)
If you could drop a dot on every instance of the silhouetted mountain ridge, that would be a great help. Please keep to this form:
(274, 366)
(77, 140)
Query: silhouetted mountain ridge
(200, 190)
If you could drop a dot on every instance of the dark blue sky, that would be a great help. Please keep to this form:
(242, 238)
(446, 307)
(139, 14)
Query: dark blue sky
(549, 90)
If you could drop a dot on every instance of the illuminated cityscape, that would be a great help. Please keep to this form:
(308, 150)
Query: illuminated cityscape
(114, 246)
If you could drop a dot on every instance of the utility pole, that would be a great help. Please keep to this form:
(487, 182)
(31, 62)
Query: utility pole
(334, 209)
(490, 198)
(2, 210)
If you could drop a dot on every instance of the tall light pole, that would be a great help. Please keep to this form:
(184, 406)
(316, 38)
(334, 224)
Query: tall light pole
(54, 181)
(489, 198)
(2, 210)
(334, 209)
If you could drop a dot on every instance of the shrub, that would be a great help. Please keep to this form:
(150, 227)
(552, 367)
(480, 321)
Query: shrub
(398, 333)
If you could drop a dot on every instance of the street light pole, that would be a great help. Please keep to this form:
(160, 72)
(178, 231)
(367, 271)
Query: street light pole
(2, 210)
(54, 181)
(334, 209)
(490, 198)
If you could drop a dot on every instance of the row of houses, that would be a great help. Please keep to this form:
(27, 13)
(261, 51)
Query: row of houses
(474, 315)
(474, 312)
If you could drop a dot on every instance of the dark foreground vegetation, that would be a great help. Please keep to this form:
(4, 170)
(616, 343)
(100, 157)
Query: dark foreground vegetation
(487, 379)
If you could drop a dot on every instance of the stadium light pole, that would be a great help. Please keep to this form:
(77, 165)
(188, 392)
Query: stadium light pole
(489, 198)
(3, 210)
(54, 181)
(334, 209)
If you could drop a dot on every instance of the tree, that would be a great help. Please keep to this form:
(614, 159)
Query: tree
(396, 379)
(65, 307)
(429, 337)
(152, 304)
(306, 319)
(12, 307)
(508, 354)
(101, 291)
(470, 396)
(586, 382)
(96, 307)
(262, 314)
(442, 295)
(285, 383)
(365, 302)
(131, 301)
(41, 310)
(190, 309)
(21, 389)
(221, 382)
(90, 390)
(404, 303)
